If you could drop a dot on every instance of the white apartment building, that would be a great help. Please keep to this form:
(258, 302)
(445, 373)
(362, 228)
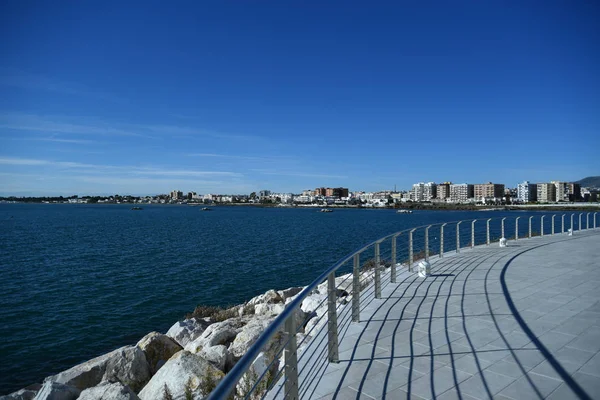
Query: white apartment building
(423, 191)
(562, 190)
(526, 192)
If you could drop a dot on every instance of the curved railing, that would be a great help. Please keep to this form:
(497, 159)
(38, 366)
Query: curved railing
(295, 347)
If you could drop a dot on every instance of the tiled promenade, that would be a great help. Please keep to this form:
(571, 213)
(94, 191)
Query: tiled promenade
(522, 322)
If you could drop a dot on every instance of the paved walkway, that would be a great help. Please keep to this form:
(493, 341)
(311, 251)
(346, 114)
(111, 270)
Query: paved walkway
(521, 322)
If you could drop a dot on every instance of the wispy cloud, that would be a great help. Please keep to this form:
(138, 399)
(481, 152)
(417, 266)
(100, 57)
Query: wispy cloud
(119, 170)
(35, 123)
(95, 127)
(238, 157)
(24, 80)
(299, 174)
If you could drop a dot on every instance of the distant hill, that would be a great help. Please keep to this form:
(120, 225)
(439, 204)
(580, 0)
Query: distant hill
(590, 181)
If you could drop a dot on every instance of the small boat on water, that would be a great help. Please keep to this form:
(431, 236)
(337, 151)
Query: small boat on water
(206, 209)
(136, 208)
(325, 210)
(404, 211)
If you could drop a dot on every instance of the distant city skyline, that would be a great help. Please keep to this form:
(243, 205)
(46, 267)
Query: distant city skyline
(105, 98)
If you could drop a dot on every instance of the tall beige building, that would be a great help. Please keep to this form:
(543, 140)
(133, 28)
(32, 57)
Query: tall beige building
(443, 190)
(546, 192)
(489, 190)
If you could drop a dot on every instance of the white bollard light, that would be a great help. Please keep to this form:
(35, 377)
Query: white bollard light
(570, 232)
(424, 269)
(503, 242)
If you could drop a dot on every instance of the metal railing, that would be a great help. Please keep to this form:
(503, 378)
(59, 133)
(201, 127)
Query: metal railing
(297, 347)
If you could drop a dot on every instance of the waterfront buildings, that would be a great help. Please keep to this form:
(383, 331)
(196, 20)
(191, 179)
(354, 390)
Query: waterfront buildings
(461, 193)
(176, 195)
(546, 192)
(486, 191)
(443, 191)
(526, 192)
(424, 191)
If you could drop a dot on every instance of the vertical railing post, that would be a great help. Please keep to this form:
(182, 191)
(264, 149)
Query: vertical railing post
(356, 288)
(579, 226)
(587, 221)
(458, 236)
(517, 228)
(377, 271)
(442, 238)
(530, 218)
(410, 249)
(487, 228)
(291, 360)
(562, 226)
(332, 319)
(572, 228)
(473, 233)
(542, 225)
(503, 226)
(595, 220)
(394, 260)
(427, 243)
(553, 223)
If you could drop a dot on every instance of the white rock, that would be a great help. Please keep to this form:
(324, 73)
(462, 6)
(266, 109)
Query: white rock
(127, 364)
(158, 348)
(27, 393)
(289, 292)
(268, 309)
(271, 296)
(218, 333)
(250, 333)
(315, 303)
(186, 331)
(216, 355)
(57, 391)
(184, 368)
(502, 242)
(108, 391)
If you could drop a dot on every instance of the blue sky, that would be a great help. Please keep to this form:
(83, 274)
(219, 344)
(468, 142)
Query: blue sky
(104, 97)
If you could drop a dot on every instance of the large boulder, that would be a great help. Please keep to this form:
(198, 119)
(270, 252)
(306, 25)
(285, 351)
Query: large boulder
(289, 292)
(127, 364)
(216, 355)
(57, 391)
(108, 391)
(271, 297)
(250, 333)
(158, 348)
(315, 303)
(184, 372)
(130, 367)
(186, 331)
(268, 309)
(27, 393)
(219, 333)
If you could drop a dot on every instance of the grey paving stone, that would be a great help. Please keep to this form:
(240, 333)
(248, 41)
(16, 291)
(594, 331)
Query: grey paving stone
(530, 387)
(508, 368)
(573, 356)
(592, 367)
(485, 384)
(443, 379)
(383, 383)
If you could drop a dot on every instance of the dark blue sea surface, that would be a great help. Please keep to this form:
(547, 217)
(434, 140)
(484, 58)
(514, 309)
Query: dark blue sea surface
(77, 281)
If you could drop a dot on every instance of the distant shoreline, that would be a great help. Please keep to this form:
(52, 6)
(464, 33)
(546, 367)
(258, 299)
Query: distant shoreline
(407, 206)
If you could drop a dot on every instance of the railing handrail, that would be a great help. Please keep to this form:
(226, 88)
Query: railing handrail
(231, 379)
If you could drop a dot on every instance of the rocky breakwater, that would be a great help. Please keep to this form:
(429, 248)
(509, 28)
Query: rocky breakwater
(195, 354)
